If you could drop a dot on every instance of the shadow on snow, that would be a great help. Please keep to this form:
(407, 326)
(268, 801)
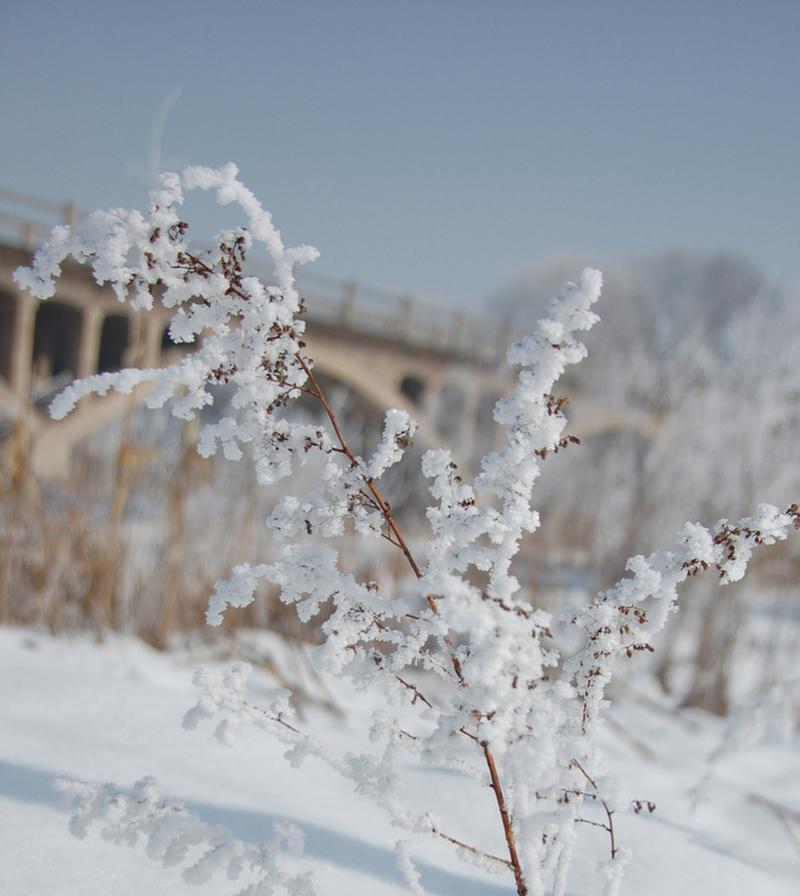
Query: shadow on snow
(35, 785)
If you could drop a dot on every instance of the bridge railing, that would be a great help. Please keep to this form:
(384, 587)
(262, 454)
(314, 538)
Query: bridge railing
(26, 220)
(426, 325)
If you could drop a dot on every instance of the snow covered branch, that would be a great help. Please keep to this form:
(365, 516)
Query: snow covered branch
(506, 709)
(174, 836)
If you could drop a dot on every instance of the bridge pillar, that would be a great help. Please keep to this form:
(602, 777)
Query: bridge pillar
(471, 422)
(153, 332)
(22, 345)
(89, 341)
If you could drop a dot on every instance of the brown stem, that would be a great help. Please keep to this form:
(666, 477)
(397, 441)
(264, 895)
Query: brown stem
(472, 849)
(596, 824)
(609, 813)
(277, 719)
(385, 510)
(368, 480)
(508, 830)
(418, 695)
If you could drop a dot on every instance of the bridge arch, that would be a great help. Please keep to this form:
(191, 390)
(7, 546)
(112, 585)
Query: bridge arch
(115, 342)
(56, 340)
(167, 342)
(413, 387)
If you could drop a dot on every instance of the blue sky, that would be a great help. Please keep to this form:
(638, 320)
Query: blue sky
(428, 147)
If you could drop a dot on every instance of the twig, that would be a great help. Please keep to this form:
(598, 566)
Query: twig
(609, 812)
(418, 695)
(508, 830)
(597, 824)
(473, 849)
(384, 508)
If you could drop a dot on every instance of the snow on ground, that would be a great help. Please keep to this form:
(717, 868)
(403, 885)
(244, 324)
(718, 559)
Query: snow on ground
(112, 712)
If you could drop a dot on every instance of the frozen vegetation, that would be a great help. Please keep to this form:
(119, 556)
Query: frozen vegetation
(469, 731)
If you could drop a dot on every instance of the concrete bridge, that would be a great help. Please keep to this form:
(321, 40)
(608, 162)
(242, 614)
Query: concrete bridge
(440, 364)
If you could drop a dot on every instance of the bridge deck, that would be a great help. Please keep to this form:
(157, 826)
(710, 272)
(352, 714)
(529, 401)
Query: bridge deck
(25, 222)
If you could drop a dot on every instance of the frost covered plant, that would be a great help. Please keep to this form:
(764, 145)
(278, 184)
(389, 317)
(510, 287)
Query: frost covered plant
(176, 836)
(461, 652)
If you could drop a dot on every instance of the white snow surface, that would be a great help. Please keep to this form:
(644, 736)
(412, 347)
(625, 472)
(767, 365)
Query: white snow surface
(112, 712)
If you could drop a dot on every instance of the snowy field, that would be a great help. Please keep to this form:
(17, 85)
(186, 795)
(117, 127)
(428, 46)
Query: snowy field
(113, 713)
